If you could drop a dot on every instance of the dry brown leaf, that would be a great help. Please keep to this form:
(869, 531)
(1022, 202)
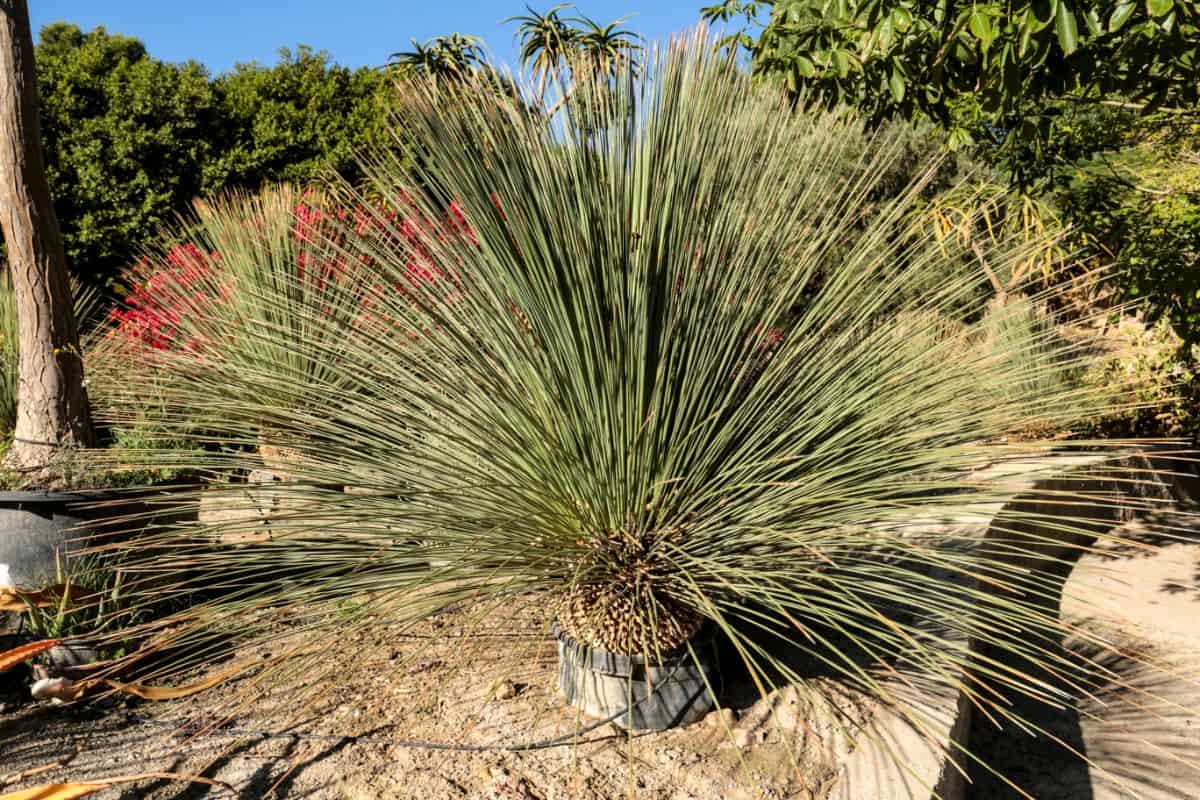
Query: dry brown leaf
(10, 658)
(175, 692)
(69, 791)
(55, 791)
(20, 599)
(73, 690)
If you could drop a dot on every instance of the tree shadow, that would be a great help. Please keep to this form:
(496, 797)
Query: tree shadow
(1039, 749)
(1041, 753)
(1107, 726)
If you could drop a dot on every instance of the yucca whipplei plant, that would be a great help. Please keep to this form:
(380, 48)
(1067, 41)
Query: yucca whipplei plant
(661, 373)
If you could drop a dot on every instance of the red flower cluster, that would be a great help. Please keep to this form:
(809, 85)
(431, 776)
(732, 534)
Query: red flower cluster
(768, 338)
(162, 298)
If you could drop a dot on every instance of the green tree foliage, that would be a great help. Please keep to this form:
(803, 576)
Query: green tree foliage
(1047, 89)
(125, 138)
(131, 140)
(291, 121)
(1140, 207)
(996, 63)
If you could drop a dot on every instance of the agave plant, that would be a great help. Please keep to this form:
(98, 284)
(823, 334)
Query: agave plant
(450, 58)
(661, 375)
(608, 49)
(546, 41)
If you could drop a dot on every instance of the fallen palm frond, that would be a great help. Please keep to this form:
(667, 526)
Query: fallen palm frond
(68, 690)
(654, 372)
(18, 655)
(76, 789)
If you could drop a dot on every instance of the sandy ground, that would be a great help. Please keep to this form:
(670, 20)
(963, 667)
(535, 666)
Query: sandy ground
(1136, 734)
(450, 682)
(491, 689)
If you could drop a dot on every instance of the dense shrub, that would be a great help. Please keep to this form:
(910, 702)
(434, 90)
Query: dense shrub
(654, 394)
(130, 140)
(1083, 105)
(1137, 213)
(300, 118)
(213, 294)
(125, 138)
(1161, 379)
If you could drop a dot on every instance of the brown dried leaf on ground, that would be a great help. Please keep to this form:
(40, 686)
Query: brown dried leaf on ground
(69, 791)
(10, 658)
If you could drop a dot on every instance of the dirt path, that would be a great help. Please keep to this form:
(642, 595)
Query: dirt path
(457, 690)
(449, 682)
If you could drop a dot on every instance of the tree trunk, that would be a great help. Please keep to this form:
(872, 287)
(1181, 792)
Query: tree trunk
(52, 407)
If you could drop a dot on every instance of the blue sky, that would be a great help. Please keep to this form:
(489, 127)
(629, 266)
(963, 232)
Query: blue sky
(219, 33)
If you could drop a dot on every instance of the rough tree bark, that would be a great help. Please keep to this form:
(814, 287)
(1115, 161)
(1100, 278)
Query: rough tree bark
(52, 408)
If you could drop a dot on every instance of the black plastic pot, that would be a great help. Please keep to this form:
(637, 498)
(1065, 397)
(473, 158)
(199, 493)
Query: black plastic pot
(38, 528)
(637, 693)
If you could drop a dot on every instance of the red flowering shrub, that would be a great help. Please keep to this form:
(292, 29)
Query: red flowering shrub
(161, 297)
(164, 301)
(334, 249)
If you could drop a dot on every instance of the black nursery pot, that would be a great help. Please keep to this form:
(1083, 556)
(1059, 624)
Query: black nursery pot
(641, 694)
(38, 528)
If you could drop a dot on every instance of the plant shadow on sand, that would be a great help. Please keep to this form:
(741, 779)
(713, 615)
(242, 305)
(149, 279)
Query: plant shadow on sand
(265, 780)
(1122, 724)
(1125, 724)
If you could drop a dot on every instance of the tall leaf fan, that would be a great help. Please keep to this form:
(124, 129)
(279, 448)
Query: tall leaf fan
(651, 368)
